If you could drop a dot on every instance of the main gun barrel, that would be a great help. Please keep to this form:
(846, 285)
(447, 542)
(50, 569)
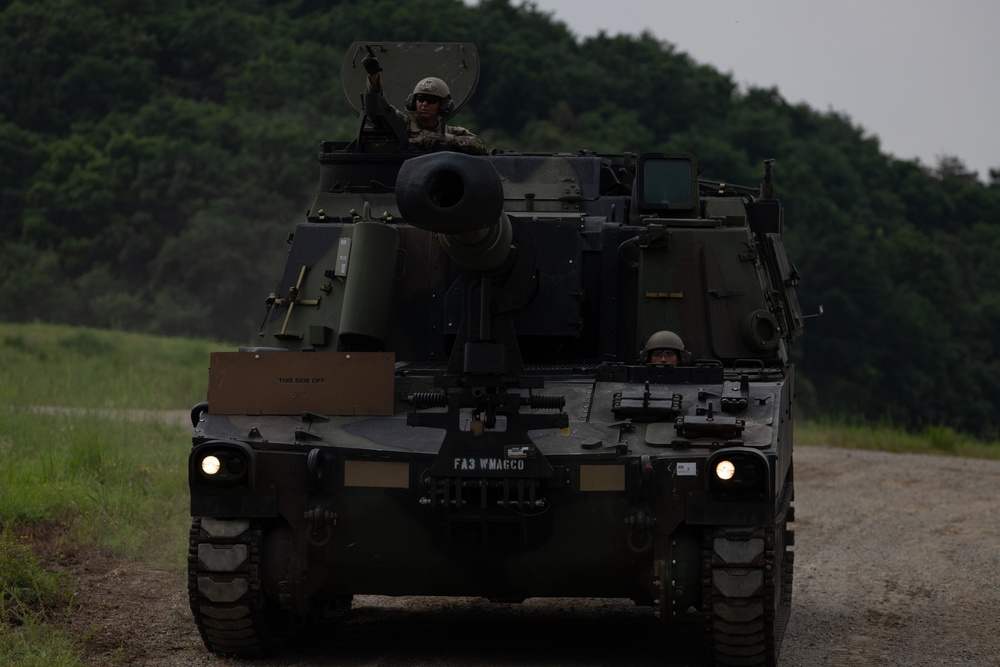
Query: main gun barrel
(461, 198)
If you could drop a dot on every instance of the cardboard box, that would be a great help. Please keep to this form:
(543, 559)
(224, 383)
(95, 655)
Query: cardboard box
(288, 383)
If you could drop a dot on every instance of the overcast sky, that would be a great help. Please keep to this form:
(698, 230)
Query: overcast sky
(921, 75)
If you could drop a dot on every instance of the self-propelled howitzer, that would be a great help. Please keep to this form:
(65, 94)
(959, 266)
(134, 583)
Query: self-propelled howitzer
(450, 397)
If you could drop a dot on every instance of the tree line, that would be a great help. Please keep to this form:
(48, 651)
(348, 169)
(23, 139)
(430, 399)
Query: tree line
(155, 154)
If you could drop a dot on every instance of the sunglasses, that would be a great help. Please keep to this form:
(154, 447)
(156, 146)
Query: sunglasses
(429, 99)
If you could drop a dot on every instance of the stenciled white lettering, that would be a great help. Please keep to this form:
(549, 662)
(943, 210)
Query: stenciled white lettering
(487, 464)
(465, 464)
(500, 464)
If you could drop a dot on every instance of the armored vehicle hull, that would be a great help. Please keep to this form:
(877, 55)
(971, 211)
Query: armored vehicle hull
(449, 399)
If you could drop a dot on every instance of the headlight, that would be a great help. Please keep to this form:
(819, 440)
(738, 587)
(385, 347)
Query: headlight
(210, 465)
(738, 469)
(222, 464)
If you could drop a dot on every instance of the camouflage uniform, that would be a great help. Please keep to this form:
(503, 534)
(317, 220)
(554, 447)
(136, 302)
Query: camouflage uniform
(441, 136)
(451, 137)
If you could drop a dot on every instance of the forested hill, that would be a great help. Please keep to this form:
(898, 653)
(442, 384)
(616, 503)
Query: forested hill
(153, 155)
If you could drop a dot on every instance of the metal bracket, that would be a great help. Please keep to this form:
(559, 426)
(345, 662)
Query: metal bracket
(291, 302)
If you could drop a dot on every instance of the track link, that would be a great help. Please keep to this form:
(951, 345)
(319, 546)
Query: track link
(224, 586)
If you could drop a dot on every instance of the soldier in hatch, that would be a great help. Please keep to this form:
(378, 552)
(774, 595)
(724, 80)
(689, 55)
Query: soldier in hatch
(429, 105)
(664, 348)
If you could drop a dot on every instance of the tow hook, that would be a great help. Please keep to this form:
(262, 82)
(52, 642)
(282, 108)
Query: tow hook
(643, 524)
(321, 522)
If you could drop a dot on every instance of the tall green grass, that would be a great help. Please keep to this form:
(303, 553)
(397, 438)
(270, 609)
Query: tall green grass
(113, 481)
(27, 591)
(64, 366)
(888, 438)
(105, 481)
(24, 587)
(102, 477)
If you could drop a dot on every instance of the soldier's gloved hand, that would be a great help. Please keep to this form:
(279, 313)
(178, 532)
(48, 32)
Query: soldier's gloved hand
(438, 144)
(371, 64)
(427, 143)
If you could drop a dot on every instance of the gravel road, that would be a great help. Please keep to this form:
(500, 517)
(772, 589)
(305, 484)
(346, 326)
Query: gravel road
(897, 563)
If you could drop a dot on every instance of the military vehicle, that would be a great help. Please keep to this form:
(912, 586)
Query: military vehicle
(449, 393)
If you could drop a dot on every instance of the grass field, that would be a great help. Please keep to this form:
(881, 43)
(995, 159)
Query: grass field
(106, 478)
(887, 438)
(100, 478)
(88, 368)
(110, 476)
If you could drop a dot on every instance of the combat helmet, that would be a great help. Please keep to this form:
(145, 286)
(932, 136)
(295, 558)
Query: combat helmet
(664, 339)
(432, 85)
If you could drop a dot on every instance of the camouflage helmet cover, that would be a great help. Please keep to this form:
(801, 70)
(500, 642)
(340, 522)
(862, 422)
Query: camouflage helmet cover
(664, 339)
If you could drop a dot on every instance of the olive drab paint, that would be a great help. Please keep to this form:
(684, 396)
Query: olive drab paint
(449, 393)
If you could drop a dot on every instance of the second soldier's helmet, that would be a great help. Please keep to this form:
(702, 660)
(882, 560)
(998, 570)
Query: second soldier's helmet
(432, 86)
(664, 339)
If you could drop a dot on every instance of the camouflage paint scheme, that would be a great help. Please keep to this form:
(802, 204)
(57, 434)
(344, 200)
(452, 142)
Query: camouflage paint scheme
(449, 429)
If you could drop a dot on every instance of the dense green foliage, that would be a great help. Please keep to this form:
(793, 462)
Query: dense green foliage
(154, 156)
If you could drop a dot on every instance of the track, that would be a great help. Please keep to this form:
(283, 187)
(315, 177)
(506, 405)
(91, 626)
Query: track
(224, 586)
(748, 589)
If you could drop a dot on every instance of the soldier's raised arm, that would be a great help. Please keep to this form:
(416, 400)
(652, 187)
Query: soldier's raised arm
(374, 68)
